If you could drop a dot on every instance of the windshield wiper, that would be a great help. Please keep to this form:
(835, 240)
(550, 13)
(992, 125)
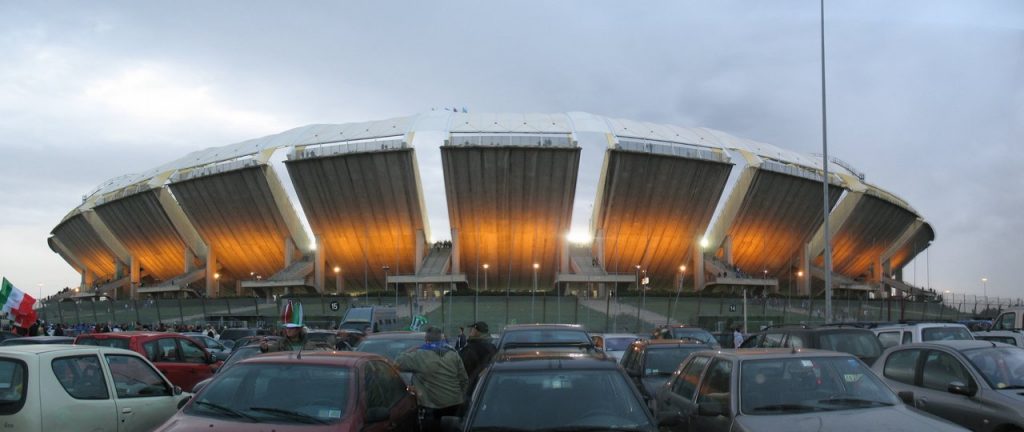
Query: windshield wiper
(785, 407)
(853, 401)
(226, 410)
(290, 414)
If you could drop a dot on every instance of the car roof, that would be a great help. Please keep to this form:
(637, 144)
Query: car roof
(330, 358)
(47, 348)
(617, 335)
(548, 359)
(46, 338)
(776, 353)
(517, 327)
(670, 343)
(131, 334)
(396, 335)
(959, 345)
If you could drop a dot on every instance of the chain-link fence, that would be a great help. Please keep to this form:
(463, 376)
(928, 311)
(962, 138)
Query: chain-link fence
(637, 314)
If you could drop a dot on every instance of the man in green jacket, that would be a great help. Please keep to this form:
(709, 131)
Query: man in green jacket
(439, 377)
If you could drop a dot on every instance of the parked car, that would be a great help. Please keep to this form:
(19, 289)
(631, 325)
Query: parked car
(891, 335)
(848, 339)
(1009, 319)
(66, 388)
(179, 358)
(650, 363)
(220, 350)
(319, 391)
(784, 390)
(237, 355)
(233, 334)
(1009, 337)
(614, 344)
(391, 344)
(539, 390)
(545, 335)
(682, 331)
(371, 319)
(325, 338)
(977, 384)
(38, 340)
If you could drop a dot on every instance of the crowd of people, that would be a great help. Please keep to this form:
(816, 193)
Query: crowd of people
(42, 328)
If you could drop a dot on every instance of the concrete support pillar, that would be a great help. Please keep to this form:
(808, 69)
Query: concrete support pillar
(727, 250)
(212, 269)
(563, 264)
(698, 267)
(190, 260)
(339, 283)
(119, 269)
(290, 250)
(887, 272)
(421, 241)
(456, 264)
(318, 266)
(136, 277)
(803, 283)
(599, 245)
(87, 278)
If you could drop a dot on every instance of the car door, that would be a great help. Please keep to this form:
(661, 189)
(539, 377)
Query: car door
(400, 399)
(715, 389)
(163, 352)
(76, 394)
(144, 399)
(677, 401)
(195, 363)
(938, 369)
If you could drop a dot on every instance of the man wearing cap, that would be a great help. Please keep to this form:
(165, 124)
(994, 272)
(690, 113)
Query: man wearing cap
(294, 332)
(478, 350)
(439, 378)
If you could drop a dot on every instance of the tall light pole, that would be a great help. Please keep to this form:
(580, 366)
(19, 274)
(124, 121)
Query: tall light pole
(824, 180)
(984, 284)
(682, 278)
(638, 305)
(533, 294)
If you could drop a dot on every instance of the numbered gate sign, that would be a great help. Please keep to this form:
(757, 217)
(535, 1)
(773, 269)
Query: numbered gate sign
(335, 305)
(732, 308)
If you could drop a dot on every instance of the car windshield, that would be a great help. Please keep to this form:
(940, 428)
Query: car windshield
(389, 348)
(559, 399)
(546, 336)
(693, 333)
(945, 333)
(861, 344)
(787, 385)
(664, 361)
(617, 343)
(12, 385)
(1002, 367)
(276, 393)
(104, 342)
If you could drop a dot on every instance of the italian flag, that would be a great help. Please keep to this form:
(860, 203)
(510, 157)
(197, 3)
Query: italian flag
(18, 305)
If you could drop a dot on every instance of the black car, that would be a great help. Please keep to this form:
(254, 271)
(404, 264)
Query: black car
(545, 335)
(854, 340)
(650, 363)
(553, 391)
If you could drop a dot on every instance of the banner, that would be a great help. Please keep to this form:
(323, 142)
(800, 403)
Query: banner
(18, 305)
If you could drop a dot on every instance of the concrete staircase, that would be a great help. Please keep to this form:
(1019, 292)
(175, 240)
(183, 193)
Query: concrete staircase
(436, 263)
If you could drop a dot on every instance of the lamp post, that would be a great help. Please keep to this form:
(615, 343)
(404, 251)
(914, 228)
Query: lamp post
(682, 278)
(337, 280)
(637, 273)
(387, 269)
(984, 285)
(533, 294)
(476, 301)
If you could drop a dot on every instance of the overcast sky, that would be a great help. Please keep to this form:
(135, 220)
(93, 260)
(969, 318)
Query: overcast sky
(926, 97)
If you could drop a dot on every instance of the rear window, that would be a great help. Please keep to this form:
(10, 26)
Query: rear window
(104, 342)
(861, 344)
(13, 383)
(571, 337)
(1003, 339)
(945, 333)
(698, 334)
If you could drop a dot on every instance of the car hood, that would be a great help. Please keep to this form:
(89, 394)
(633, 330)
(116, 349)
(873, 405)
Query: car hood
(897, 418)
(183, 422)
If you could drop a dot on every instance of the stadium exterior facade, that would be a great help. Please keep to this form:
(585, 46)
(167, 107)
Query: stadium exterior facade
(570, 201)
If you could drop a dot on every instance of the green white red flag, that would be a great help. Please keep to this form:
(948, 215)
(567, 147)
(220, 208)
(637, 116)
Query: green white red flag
(18, 305)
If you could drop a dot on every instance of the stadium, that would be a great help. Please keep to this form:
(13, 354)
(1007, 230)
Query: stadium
(443, 200)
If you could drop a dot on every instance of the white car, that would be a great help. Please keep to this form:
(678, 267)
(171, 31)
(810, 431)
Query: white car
(891, 335)
(615, 344)
(1010, 337)
(77, 388)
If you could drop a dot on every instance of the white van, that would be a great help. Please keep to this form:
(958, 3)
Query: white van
(891, 335)
(371, 319)
(79, 387)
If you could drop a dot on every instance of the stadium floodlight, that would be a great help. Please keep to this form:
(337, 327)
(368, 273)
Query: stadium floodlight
(704, 243)
(580, 237)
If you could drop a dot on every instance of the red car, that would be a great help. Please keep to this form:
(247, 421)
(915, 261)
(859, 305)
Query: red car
(317, 391)
(182, 360)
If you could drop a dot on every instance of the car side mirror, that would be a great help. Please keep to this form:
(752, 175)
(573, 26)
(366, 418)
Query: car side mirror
(377, 414)
(211, 359)
(184, 401)
(907, 397)
(958, 387)
(451, 424)
(177, 390)
(711, 409)
(669, 419)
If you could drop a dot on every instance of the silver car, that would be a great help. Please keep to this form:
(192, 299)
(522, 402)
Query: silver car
(976, 384)
(784, 390)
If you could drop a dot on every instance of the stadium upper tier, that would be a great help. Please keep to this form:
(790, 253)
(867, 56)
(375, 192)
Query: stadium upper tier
(484, 199)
